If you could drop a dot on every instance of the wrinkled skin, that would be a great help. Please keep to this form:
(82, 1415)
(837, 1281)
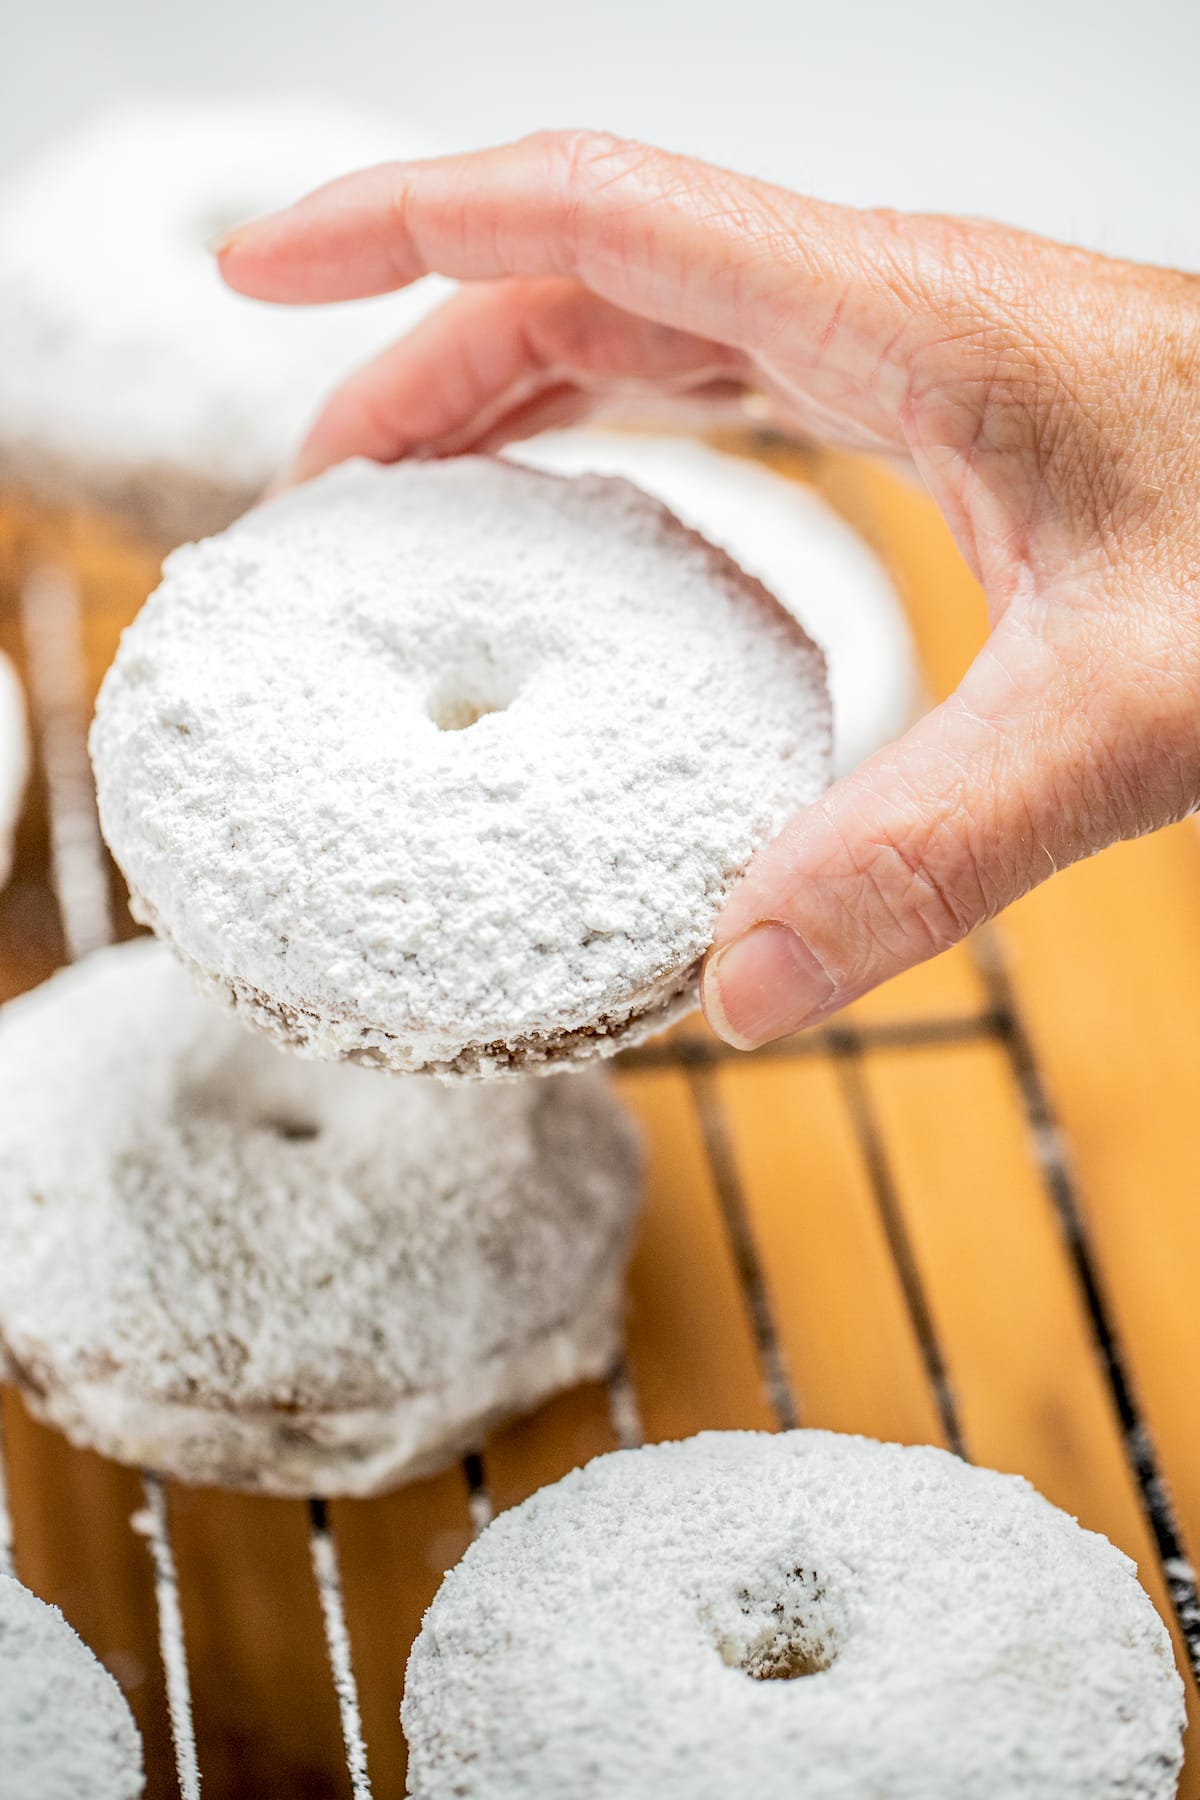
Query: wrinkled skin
(1048, 398)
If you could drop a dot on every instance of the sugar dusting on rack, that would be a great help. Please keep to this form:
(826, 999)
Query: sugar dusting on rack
(153, 1523)
(337, 1638)
(52, 624)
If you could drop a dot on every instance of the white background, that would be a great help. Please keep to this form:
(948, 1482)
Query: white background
(1077, 119)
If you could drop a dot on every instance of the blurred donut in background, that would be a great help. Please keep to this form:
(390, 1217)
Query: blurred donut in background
(132, 379)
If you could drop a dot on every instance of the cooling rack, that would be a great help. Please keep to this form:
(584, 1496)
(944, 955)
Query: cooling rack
(965, 1213)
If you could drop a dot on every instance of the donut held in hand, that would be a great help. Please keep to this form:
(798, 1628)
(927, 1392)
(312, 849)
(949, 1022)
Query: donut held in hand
(450, 766)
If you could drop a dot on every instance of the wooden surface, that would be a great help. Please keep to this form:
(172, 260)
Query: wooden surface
(967, 1214)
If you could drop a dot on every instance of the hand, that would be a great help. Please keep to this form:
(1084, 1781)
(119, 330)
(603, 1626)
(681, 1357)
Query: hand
(1049, 399)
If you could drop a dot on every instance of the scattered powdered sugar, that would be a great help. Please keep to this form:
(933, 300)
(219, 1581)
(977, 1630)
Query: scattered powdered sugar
(193, 1219)
(65, 1730)
(452, 765)
(794, 543)
(14, 761)
(948, 1634)
(131, 375)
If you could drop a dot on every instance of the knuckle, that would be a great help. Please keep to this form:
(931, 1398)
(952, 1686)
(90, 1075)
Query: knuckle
(927, 884)
(903, 888)
(575, 161)
(591, 178)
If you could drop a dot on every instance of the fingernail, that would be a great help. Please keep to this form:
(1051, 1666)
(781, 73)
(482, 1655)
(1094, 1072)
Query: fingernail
(217, 246)
(763, 986)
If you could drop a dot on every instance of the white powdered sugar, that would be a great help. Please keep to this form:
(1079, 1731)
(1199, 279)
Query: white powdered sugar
(65, 1730)
(130, 375)
(234, 1265)
(451, 765)
(795, 544)
(14, 761)
(794, 1614)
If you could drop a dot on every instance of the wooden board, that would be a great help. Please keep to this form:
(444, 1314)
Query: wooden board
(964, 1215)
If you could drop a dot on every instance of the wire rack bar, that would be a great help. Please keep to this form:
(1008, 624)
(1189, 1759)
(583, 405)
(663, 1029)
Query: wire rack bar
(480, 1510)
(337, 1641)
(848, 1061)
(624, 1412)
(154, 1524)
(7, 1545)
(828, 1040)
(776, 1379)
(51, 622)
(1050, 1145)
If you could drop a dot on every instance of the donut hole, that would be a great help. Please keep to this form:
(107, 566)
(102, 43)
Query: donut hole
(292, 1129)
(474, 688)
(457, 713)
(782, 1632)
(786, 1657)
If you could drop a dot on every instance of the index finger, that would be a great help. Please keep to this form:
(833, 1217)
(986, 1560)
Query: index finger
(668, 237)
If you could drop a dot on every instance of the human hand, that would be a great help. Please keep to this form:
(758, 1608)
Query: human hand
(1049, 399)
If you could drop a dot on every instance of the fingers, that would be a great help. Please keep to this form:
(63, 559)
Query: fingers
(500, 361)
(1006, 782)
(638, 225)
(709, 253)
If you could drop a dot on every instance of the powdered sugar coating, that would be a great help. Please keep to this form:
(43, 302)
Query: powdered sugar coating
(131, 376)
(538, 886)
(14, 761)
(794, 543)
(238, 1266)
(967, 1639)
(65, 1730)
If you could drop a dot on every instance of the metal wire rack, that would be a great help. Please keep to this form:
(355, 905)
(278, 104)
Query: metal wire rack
(57, 677)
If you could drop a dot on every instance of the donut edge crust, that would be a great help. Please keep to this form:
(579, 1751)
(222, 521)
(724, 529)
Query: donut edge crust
(310, 1033)
(291, 1453)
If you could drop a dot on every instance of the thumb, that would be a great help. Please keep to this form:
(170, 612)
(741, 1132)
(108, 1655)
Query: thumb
(984, 798)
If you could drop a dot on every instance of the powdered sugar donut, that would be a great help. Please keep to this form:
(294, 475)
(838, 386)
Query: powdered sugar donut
(794, 1614)
(131, 376)
(794, 543)
(14, 761)
(450, 765)
(234, 1266)
(65, 1730)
